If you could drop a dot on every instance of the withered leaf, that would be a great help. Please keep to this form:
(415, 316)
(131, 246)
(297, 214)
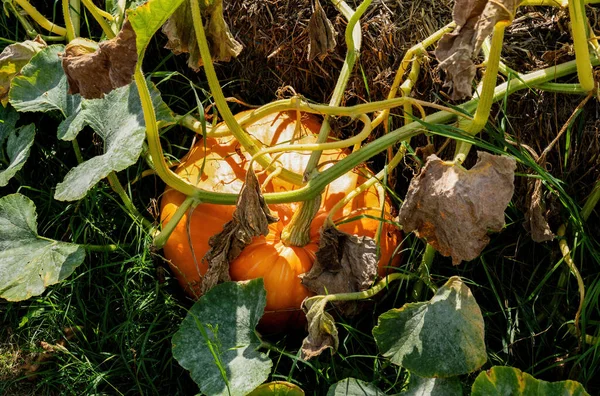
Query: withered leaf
(322, 332)
(179, 29)
(344, 264)
(251, 218)
(94, 71)
(535, 221)
(321, 34)
(475, 20)
(12, 60)
(453, 208)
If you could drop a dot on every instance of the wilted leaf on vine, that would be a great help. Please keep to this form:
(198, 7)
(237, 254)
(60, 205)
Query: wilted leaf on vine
(354, 387)
(30, 263)
(344, 264)
(475, 20)
(321, 34)
(251, 218)
(12, 60)
(512, 381)
(277, 388)
(95, 70)
(217, 341)
(453, 208)
(322, 332)
(441, 338)
(535, 221)
(179, 29)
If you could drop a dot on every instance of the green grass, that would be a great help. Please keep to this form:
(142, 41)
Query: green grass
(123, 307)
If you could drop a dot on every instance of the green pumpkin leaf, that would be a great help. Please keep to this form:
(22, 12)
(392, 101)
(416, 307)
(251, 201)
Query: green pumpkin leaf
(30, 263)
(119, 120)
(502, 381)
(42, 86)
(147, 18)
(277, 388)
(420, 386)
(217, 342)
(439, 338)
(18, 147)
(353, 387)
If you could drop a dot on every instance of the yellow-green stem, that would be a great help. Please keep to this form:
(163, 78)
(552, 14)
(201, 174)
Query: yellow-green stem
(245, 140)
(424, 271)
(363, 295)
(486, 96)
(75, 12)
(68, 21)
(40, 19)
(98, 16)
(579, 24)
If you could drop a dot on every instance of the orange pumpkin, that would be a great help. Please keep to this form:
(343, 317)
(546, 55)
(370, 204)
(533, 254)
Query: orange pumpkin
(268, 257)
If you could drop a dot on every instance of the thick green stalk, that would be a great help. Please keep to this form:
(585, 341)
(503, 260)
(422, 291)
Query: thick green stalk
(352, 53)
(424, 271)
(167, 229)
(245, 140)
(486, 96)
(580, 42)
(68, 20)
(40, 19)
(75, 11)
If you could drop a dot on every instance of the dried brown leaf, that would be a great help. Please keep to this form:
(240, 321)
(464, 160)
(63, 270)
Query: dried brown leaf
(453, 208)
(320, 33)
(179, 29)
(322, 332)
(344, 264)
(12, 60)
(94, 71)
(251, 218)
(535, 220)
(475, 20)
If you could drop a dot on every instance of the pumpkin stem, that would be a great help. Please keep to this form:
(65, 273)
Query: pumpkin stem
(297, 231)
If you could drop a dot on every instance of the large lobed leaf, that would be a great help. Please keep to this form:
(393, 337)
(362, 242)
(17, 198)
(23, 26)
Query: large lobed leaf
(443, 337)
(42, 86)
(217, 342)
(119, 120)
(28, 262)
(354, 387)
(500, 381)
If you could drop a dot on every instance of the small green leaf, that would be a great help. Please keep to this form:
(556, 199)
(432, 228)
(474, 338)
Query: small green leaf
(147, 18)
(502, 381)
(42, 86)
(420, 386)
(17, 150)
(353, 387)
(217, 342)
(28, 262)
(277, 388)
(119, 120)
(439, 338)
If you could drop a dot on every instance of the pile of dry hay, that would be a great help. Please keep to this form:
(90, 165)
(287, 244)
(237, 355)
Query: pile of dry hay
(275, 37)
